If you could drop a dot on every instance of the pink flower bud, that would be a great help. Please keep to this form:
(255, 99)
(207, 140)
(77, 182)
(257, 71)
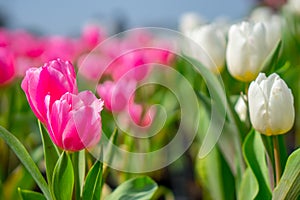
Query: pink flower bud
(74, 121)
(55, 78)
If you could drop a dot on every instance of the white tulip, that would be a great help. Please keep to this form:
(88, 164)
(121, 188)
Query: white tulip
(271, 105)
(247, 50)
(189, 21)
(241, 108)
(294, 6)
(212, 42)
(273, 24)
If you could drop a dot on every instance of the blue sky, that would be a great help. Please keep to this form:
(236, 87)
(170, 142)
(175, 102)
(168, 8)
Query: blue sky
(68, 16)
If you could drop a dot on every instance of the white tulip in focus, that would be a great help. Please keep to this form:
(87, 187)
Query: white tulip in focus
(189, 21)
(271, 105)
(247, 50)
(212, 42)
(241, 108)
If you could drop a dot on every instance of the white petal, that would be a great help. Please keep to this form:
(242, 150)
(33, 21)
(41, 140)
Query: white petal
(257, 107)
(281, 108)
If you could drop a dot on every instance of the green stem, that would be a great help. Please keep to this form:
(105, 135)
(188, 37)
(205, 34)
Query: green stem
(75, 160)
(276, 159)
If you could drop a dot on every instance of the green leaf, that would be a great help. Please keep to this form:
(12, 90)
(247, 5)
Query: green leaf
(218, 110)
(249, 186)
(94, 182)
(289, 185)
(50, 153)
(63, 178)
(26, 160)
(141, 188)
(30, 195)
(81, 169)
(254, 154)
(272, 59)
(216, 176)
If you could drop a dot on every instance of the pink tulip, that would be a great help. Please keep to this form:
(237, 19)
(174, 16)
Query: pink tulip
(60, 47)
(55, 78)
(139, 117)
(116, 96)
(92, 65)
(74, 121)
(26, 44)
(131, 65)
(7, 68)
(92, 35)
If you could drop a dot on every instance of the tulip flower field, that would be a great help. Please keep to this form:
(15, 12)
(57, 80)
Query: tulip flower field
(208, 111)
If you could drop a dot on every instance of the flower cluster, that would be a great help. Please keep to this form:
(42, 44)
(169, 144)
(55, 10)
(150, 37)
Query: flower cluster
(72, 119)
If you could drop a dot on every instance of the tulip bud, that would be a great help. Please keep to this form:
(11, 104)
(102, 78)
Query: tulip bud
(271, 105)
(247, 50)
(55, 78)
(74, 121)
(241, 108)
(212, 41)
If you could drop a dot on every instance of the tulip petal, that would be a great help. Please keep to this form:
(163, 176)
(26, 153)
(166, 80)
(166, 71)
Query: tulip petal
(258, 107)
(281, 108)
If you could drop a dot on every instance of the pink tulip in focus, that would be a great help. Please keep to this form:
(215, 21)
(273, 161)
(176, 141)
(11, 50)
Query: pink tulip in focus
(54, 79)
(7, 68)
(74, 121)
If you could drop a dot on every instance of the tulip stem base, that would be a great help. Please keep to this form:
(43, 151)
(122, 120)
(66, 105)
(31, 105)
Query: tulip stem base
(276, 159)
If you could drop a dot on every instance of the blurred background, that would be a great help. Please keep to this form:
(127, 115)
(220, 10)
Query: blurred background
(67, 17)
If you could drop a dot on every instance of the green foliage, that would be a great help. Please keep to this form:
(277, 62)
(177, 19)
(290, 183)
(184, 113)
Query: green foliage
(289, 185)
(26, 160)
(141, 188)
(50, 153)
(63, 178)
(254, 153)
(94, 182)
(30, 195)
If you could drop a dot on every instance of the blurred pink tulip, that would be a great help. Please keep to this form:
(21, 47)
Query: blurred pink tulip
(25, 44)
(130, 65)
(92, 35)
(116, 96)
(92, 65)
(60, 47)
(55, 78)
(4, 37)
(7, 68)
(139, 117)
(74, 121)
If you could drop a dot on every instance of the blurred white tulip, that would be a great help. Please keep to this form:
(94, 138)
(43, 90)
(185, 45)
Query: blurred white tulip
(294, 6)
(247, 50)
(241, 108)
(273, 24)
(271, 105)
(212, 42)
(189, 21)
